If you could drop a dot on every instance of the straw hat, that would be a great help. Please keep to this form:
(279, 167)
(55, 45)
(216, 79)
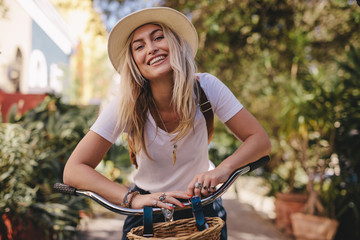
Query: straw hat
(177, 21)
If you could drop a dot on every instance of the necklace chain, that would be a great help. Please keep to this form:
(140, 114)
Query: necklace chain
(165, 128)
(162, 121)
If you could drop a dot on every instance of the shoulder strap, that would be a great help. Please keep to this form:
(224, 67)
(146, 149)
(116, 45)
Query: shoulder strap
(206, 109)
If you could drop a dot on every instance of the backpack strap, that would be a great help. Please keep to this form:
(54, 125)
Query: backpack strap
(206, 109)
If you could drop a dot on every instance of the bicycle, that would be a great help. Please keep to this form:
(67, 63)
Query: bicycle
(195, 203)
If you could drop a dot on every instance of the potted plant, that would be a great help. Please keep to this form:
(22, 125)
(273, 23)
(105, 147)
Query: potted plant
(321, 153)
(288, 185)
(314, 222)
(312, 117)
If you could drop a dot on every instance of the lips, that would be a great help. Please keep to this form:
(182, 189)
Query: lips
(156, 59)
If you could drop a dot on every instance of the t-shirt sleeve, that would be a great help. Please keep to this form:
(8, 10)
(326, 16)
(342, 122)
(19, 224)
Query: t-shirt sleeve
(106, 123)
(224, 103)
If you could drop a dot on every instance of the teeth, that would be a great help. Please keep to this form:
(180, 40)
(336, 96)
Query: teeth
(156, 59)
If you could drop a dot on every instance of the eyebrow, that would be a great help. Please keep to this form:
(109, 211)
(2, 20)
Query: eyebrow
(152, 33)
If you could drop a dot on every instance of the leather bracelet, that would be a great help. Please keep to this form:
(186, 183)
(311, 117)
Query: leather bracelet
(132, 197)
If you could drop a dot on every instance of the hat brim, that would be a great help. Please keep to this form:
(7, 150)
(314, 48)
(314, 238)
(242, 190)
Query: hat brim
(177, 21)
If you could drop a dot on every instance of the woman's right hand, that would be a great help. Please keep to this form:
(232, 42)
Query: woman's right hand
(159, 200)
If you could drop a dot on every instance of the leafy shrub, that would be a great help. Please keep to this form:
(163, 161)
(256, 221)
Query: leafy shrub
(32, 157)
(344, 191)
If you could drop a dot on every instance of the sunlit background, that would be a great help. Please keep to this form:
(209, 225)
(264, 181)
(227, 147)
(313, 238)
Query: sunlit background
(295, 64)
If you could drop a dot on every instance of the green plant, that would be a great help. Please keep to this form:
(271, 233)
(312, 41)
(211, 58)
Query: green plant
(283, 180)
(322, 119)
(309, 119)
(344, 190)
(34, 151)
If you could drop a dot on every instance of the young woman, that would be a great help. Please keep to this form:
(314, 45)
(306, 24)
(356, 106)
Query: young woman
(158, 106)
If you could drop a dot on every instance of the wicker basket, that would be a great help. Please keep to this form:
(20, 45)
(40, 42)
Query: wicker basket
(184, 229)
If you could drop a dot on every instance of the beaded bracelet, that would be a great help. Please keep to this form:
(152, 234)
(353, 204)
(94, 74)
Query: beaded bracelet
(132, 197)
(127, 203)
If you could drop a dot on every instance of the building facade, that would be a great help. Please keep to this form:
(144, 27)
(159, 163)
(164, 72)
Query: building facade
(35, 45)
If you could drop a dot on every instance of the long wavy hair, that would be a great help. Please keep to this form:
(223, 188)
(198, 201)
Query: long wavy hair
(136, 97)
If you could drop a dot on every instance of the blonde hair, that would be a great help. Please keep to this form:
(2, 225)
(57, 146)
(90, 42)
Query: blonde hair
(136, 96)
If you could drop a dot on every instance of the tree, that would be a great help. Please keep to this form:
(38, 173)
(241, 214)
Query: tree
(258, 48)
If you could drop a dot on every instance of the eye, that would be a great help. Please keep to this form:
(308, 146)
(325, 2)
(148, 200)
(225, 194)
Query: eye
(158, 38)
(138, 47)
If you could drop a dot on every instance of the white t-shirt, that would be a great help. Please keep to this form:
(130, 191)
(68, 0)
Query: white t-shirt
(159, 174)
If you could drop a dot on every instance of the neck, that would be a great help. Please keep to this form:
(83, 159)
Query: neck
(162, 94)
(164, 113)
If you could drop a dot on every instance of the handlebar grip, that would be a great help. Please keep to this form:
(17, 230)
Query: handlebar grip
(63, 188)
(259, 163)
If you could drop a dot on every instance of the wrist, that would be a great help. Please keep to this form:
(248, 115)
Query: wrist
(226, 170)
(132, 198)
(128, 198)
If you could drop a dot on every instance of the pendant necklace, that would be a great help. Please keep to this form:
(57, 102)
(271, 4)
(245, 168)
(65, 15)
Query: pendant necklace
(165, 128)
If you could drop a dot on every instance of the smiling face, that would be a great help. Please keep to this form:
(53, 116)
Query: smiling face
(150, 51)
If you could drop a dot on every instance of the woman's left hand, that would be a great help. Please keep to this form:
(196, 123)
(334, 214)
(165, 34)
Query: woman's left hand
(204, 184)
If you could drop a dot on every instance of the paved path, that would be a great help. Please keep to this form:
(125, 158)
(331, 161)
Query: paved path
(243, 224)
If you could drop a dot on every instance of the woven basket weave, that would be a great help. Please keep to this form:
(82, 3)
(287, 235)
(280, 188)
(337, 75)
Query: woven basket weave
(183, 229)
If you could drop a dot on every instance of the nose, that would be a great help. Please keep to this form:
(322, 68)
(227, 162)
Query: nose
(152, 48)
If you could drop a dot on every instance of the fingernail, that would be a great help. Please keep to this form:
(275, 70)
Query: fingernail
(182, 205)
(171, 207)
(190, 195)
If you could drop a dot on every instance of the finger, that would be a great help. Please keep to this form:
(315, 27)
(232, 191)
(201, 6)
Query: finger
(205, 187)
(171, 197)
(172, 200)
(191, 188)
(197, 188)
(212, 187)
(180, 195)
(163, 205)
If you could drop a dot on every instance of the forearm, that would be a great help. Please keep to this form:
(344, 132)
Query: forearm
(255, 142)
(252, 149)
(80, 170)
(85, 177)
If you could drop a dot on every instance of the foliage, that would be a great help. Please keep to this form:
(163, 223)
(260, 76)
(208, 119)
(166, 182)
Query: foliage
(322, 122)
(261, 48)
(344, 192)
(249, 44)
(33, 154)
(283, 180)
(278, 57)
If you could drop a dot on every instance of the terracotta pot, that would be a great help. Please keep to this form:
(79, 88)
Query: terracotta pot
(311, 227)
(285, 205)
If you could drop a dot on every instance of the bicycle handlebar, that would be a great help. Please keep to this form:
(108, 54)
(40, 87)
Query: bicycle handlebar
(66, 189)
